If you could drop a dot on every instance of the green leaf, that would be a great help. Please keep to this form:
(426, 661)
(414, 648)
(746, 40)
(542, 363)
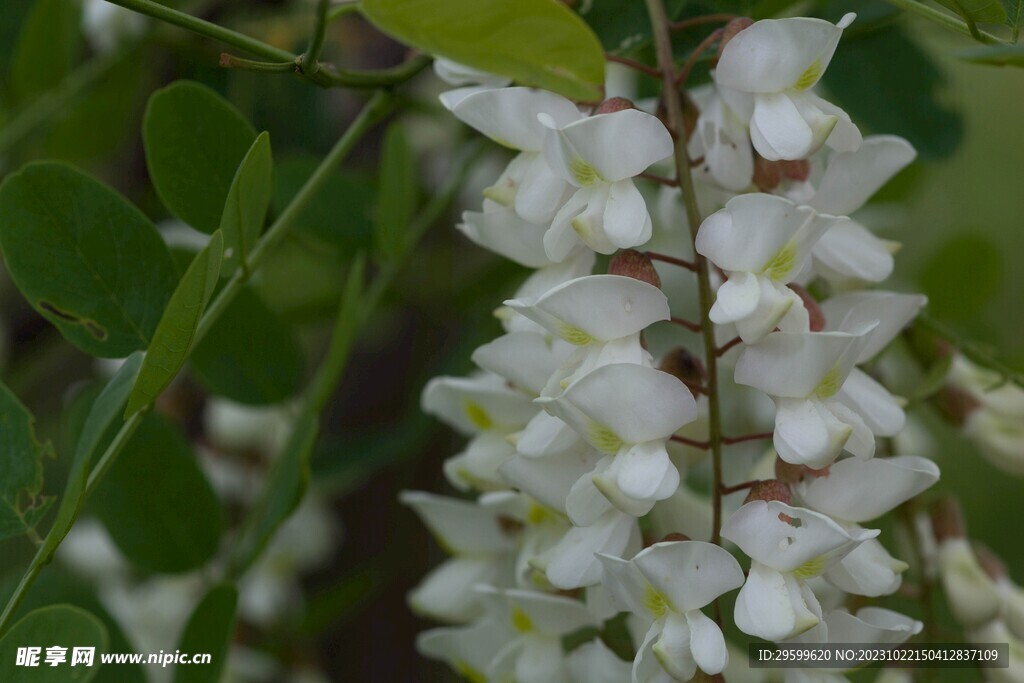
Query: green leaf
(962, 277)
(624, 25)
(538, 43)
(46, 48)
(209, 630)
(21, 472)
(195, 141)
(995, 55)
(172, 340)
(1014, 14)
(247, 203)
(396, 198)
(103, 421)
(977, 11)
(60, 625)
(156, 503)
(227, 362)
(85, 258)
(889, 85)
(339, 214)
(286, 484)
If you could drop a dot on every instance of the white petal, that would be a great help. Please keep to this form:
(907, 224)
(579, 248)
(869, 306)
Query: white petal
(612, 147)
(797, 365)
(508, 235)
(689, 574)
(880, 410)
(549, 479)
(808, 433)
(771, 605)
(852, 177)
(541, 193)
(790, 539)
(845, 135)
(477, 404)
(550, 615)
(628, 586)
(572, 562)
(707, 643)
(871, 625)
(626, 221)
(861, 490)
(463, 527)
(509, 115)
(526, 359)
(446, 593)
(593, 662)
(546, 435)
(779, 131)
(736, 299)
(861, 442)
(585, 504)
(850, 251)
(541, 661)
(468, 649)
(776, 304)
(673, 648)
(646, 470)
(560, 240)
(853, 310)
(868, 570)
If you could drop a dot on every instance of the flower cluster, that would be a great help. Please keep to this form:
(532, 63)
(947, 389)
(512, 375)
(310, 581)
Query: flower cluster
(590, 426)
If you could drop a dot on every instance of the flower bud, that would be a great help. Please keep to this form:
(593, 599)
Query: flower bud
(612, 105)
(973, 596)
(788, 472)
(634, 264)
(989, 561)
(948, 519)
(730, 30)
(685, 366)
(999, 439)
(769, 490)
(814, 312)
(956, 404)
(674, 536)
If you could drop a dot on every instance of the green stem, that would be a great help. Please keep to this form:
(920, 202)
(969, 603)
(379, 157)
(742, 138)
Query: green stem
(106, 460)
(970, 349)
(311, 60)
(947, 20)
(232, 62)
(338, 11)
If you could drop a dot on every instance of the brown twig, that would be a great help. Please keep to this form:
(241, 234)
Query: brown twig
(688, 324)
(682, 263)
(730, 440)
(726, 490)
(724, 348)
(695, 56)
(719, 18)
(633, 64)
(694, 443)
(667, 182)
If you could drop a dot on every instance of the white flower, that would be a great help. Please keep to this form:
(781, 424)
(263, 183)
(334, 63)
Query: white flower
(469, 650)
(770, 67)
(803, 373)
(787, 546)
(481, 549)
(854, 491)
(667, 585)
(722, 139)
(509, 117)
(572, 562)
(762, 242)
(971, 592)
(996, 631)
(600, 155)
(593, 662)
(544, 279)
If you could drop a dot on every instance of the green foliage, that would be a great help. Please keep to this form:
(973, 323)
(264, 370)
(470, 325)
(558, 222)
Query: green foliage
(995, 55)
(887, 84)
(623, 25)
(46, 48)
(209, 630)
(156, 503)
(172, 340)
(21, 472)
(285, 486)
(535, 42)
(977, 11)
(396, 197)
(339, 214)
(1014, 13)
(86, 259)
(195, 141)
(250, 355)
(54, 625)
(962, 276)
(247, 202)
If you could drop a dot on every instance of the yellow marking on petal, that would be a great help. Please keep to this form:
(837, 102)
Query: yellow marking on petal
(603, 438)
(538, 514)
(810, 568)
(584, 173)
(655, 602)
(477, 415)
(520, 621)
(469, 673)
(810, 76)
(502, 194)
(573, 334)
(782, 263)
(830, 384)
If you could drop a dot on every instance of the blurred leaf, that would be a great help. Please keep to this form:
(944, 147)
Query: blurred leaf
(1014, 13)
(246, 206)
(396, 196)
(85, 258)
(61, 625)
(46, 48)
(962, 277)
(334, 605)
(995, 55)
(624, 25)
(98, 122)
(977, 11)
(285, 486)
(12, 20)
(209, 630)
(103, 421)
(537, 43)
(21, 469)
(339, 214)
(301, 281)
(228, 363)
(173, 337)
(888, 84)
(156, 503)
(195, 141)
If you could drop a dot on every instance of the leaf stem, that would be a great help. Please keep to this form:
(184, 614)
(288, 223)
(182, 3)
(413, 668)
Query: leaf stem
(676, 124)
(310, 61)
(229, 61)
(341, 9)
(947, 20)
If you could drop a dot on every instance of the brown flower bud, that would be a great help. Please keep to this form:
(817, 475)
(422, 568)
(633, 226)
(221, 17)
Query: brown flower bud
(948, 519)
(795, 169)
(685, 366)
(989, 561)
(634, 264)
(771, 489)
(674, 536)
(788, 472)
(814, 312)
(613, 104)
(956, 404)
(767, 174)
(730, 31)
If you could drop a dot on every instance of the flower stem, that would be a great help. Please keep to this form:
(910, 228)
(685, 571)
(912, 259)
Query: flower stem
(673, 103)
(695, 56)
(947, 20)
(730, 440)
(720, 18)
(633, 64)
(311, 60)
